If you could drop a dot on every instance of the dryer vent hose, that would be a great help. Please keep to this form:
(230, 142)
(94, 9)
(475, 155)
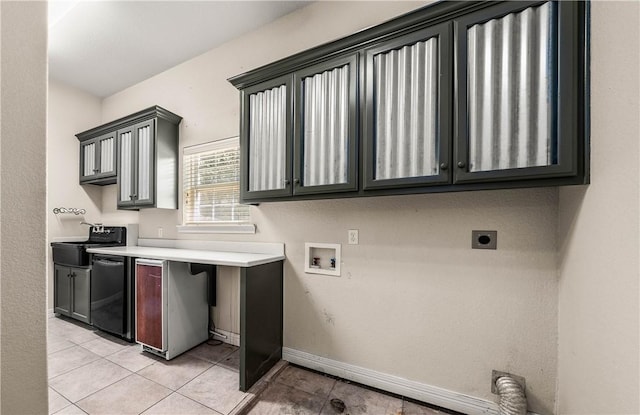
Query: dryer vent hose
(512, 398)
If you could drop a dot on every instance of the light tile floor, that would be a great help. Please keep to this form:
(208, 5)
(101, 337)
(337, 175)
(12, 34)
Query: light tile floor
(91, 372)
(95, 373)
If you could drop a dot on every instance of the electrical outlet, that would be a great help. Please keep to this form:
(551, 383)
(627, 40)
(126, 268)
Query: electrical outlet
(484, 239)
(159, 232)
(353, 237)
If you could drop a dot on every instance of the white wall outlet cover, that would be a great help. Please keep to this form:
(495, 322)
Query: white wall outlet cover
(352, 236)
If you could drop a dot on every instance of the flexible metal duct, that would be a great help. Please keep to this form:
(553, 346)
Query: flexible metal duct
(512, 398)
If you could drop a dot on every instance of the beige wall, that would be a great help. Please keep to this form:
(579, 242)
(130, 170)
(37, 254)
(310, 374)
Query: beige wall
(70, 112)
(414, 300)
(23, 73)
(599, 236)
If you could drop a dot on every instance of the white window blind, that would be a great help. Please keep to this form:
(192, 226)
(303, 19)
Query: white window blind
(211, 184)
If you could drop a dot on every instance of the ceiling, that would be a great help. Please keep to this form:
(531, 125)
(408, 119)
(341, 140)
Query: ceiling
(103, 47)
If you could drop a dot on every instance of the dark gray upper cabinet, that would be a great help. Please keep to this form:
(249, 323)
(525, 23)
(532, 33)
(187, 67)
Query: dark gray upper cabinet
(326, 128)
(139, 153)
(519, 92)
(148, 163)
(265, 139)
(453, 96)
(311, 150)
(136, 170)
(97, 159)
(407, 119)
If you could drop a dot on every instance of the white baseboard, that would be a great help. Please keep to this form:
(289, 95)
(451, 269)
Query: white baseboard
(394, 384)
(232, 338)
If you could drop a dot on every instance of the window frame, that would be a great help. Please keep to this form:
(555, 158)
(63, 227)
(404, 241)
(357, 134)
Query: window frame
(213, 226)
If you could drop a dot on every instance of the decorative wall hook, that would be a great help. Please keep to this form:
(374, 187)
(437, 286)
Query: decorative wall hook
(75, 211)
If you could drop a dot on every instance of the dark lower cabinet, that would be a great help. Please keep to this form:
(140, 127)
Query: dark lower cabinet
(149, 310)
(72, 292)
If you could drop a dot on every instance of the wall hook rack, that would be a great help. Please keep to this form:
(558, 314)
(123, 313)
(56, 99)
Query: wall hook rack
(75, 211)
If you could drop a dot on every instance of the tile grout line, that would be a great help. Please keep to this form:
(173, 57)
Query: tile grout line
(258, 389)
(93, 393)
(335, 382)
(199, 403)
(70, 370)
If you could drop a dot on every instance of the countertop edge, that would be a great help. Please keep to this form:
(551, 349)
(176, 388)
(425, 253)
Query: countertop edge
(261, 260)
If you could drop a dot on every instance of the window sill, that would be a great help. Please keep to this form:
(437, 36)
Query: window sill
(218, 228)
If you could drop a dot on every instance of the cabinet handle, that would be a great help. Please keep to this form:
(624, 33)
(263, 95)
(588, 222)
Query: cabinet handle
(444, 166)
(286, 182)
(461, 164)
(296, 181)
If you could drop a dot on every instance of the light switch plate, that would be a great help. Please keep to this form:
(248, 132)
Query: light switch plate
(484, 239)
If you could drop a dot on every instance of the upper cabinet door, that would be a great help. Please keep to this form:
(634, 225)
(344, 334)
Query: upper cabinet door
(326, 131)
(407, 116)
(88, 160)
(145, 162)
(107, 154)
(266, 139)
(98, 160)
(126, 173)
(136, 178)
(516, 92)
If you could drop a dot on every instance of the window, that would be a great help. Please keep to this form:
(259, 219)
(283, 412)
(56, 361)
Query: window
(211, 191)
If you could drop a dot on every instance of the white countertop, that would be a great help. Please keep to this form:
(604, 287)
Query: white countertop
(232, 259)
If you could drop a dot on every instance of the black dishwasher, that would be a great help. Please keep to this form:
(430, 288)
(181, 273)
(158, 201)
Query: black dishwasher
(112, 295)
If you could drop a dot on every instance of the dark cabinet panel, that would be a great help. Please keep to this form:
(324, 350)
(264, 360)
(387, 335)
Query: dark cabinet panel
(72, 291)
(407, 115)
(326, 130)
(98, 159)
(62, 290)
(137, 166)
(81, 294)
(516, 85)
(149, 301)
(266, 139)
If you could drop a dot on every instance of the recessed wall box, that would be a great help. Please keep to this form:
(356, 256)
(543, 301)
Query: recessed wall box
(321, 258)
